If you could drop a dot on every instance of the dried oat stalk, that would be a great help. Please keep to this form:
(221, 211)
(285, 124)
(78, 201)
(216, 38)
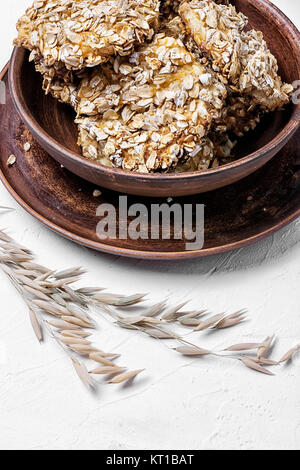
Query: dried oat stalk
(55, 306)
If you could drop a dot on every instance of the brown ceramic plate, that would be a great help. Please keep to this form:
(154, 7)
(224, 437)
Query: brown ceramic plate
(236, 216)
(51, 123)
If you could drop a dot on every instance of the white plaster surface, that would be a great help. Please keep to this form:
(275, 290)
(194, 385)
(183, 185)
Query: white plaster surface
(177, 403)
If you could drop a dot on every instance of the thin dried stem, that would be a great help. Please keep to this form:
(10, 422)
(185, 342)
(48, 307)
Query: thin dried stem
(51, 293)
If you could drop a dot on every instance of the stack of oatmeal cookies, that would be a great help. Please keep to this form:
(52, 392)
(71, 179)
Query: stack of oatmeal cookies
(156, 85)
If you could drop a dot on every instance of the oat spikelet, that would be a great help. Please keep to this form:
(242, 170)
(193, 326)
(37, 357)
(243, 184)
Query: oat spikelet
(119, 300)
(89, 291)
(4, 237)
(192, 315)
(69, 340)
(189, 321)
(107, 370)
(75, 333)
(36, 293)
(50, 307)
(248, 362)
(263, 361)
(290, 354)
(125, 377)
(72, 272)
(160, 333)
(210, 322)
(264, 348)
(172, 312)
(60, 324)
(192, 351)
(97, 357)
(83, 373)
(231, 320)
(82, 349)
(77, 321)
(155, 309)
(243, 347)
(36, 325)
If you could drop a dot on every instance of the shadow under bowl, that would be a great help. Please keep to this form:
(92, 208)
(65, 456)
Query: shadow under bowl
(52, 123)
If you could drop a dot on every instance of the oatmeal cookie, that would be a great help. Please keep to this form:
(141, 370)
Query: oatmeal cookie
(86, 32)
(169, 9)
(242, 57)
(214, 150)
(238, 116)
(148, 111)
(58, 81)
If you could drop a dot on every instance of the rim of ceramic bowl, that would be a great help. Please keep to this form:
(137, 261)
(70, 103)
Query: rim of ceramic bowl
(279, 140)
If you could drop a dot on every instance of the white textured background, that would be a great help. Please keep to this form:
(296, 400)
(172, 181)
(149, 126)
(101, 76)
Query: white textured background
(206, 404)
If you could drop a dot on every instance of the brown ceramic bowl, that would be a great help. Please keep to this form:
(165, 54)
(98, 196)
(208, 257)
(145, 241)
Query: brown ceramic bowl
(51, 123)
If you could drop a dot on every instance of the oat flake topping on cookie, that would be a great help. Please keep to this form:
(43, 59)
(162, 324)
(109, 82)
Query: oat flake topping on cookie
(86, 32)
(157, 85)
(146, 112)
(243, 57)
